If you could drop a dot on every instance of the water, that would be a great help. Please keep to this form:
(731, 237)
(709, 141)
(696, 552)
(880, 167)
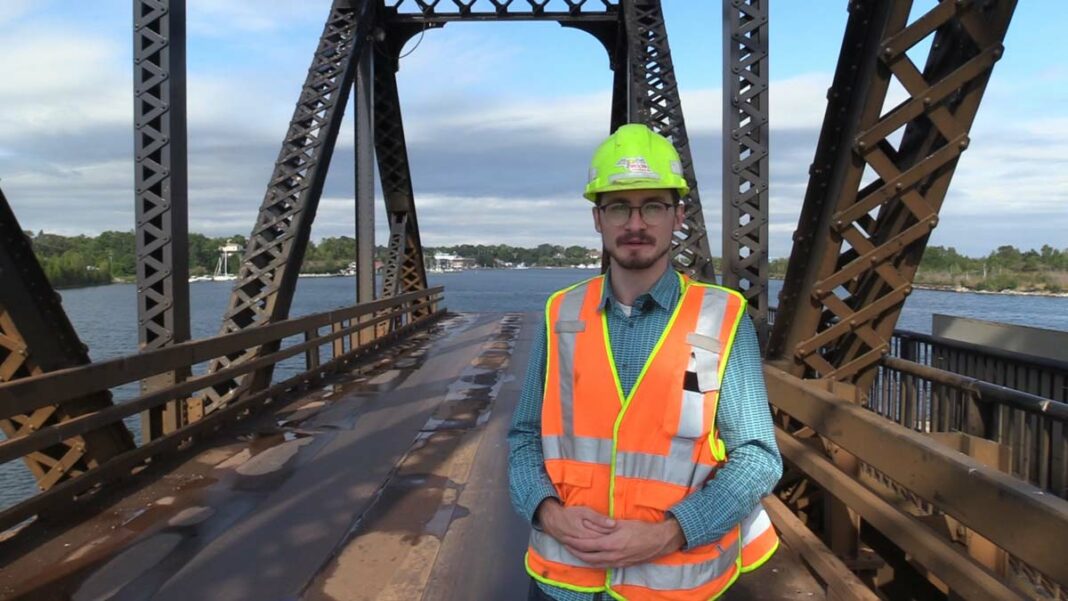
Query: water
(105, 317)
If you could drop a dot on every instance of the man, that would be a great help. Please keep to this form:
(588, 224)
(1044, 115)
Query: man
(642, 442)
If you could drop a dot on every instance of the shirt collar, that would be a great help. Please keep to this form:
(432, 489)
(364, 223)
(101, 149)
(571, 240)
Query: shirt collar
(665, 292)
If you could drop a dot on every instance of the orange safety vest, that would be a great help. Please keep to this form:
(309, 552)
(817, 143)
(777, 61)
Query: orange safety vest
(634, 457)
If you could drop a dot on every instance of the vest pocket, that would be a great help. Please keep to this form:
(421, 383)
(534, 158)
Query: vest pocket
(574, 483)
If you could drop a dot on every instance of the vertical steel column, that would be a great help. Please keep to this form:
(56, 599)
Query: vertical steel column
(37, 337)
(857, 247)
(161, 203)
(267, 279)
(745, 154)
(655, 102)
(404, 270)
(365, 182)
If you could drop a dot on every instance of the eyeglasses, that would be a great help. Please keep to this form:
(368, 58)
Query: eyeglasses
(652, 213)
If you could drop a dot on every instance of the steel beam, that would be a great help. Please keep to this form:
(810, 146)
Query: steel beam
(858, 244)
(745, 154)
(655, 101)
(966, 578)
(365, 180)
(161, 202)
(37, 337)
(436, 12)
(977, 495)
(267, 279)
(404, 270)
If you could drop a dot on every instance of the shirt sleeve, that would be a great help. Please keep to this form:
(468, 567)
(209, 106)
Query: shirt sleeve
(528, 482)
(753, 462)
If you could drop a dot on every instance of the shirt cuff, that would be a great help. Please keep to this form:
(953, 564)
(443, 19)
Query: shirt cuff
(693, 519)
(534, 499)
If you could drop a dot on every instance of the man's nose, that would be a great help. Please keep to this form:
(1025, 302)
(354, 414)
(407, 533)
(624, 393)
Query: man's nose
(634, 220)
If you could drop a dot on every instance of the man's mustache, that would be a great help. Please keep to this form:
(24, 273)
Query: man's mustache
(634, 239)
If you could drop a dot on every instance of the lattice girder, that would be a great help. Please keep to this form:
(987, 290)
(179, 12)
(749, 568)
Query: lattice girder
(271, 262)
(869, 239)
(745, 154)
(404, 270)
(37, 337)
(655, 101)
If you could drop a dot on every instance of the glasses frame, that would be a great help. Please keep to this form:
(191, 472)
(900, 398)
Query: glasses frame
(670, 207)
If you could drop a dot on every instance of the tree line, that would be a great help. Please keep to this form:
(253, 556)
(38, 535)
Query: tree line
(110, 256)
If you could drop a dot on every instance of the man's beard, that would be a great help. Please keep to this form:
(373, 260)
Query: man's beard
(636, 263)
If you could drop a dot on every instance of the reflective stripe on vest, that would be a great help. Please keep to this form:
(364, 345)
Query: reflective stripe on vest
(634, 457)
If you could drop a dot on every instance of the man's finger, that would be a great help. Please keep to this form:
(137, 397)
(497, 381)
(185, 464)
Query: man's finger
(597, 526)
(602, 521)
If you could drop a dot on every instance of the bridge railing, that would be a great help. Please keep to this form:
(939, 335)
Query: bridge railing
(350, 332)
(932, 384)
(947, 394)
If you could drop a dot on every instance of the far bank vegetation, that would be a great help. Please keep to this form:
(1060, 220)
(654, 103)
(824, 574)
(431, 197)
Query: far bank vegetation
(111, 256)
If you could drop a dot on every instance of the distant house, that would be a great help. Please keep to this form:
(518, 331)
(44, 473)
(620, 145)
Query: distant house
(444, 262)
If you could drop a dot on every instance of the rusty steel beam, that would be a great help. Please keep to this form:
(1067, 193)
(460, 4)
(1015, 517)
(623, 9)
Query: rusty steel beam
(161, 202)
(267, 279)
(841, 584)
(966, 578)
(858, 244)
(745, 155)
(654, 100)
(36, 337)
(977, 495)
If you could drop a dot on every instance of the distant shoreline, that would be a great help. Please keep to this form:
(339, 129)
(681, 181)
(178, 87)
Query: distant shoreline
(936, 287)
(1014, 292)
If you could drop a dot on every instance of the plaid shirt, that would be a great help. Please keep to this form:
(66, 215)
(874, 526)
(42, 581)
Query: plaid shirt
(743, 419)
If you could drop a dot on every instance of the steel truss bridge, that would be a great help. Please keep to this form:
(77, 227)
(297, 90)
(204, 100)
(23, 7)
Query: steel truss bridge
(897, 483)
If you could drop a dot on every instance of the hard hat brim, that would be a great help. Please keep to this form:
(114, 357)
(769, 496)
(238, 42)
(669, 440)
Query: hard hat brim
(644, 184)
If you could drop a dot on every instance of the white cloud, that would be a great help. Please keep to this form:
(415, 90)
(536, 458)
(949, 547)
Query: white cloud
(54, 89)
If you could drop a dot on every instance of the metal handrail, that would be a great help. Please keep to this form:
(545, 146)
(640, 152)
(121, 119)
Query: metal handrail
(1034, 360)
(26, 394)
(52, 387)
(982, 390)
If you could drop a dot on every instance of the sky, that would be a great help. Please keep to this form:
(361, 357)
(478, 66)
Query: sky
(500, 118)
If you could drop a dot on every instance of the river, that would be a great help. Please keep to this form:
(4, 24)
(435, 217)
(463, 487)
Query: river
(105, 317)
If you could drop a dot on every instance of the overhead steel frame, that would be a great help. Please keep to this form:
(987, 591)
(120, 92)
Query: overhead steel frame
(644, 90)
(161, 204)
(404, 270)
(857, 244)
(271, 262)
(745, 154)
(653, 99)
(36, 337)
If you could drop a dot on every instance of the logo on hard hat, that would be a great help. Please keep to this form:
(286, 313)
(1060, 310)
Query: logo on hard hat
(634, 167)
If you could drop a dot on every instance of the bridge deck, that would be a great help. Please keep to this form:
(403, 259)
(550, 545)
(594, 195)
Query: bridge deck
(387, 484)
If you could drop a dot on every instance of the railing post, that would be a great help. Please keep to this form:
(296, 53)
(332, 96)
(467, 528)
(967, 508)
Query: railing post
(311, 356)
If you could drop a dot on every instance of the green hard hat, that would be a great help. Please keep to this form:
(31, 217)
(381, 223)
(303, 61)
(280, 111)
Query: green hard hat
(635, 158)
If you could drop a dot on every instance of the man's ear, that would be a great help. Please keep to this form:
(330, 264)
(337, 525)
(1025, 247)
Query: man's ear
(597, 219)
(680, 216)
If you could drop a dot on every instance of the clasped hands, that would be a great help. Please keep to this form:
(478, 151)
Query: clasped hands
(604, 542)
